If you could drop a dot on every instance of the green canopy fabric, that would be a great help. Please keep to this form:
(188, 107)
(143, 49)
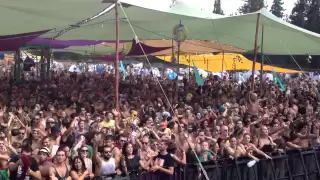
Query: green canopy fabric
(280, 37)
(21, 16)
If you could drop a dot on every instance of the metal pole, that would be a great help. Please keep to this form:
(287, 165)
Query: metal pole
(262, 61)
(15, 67)
(18, 65)
(117, 59)
(48, 63)
(255, 51)
(42, 73)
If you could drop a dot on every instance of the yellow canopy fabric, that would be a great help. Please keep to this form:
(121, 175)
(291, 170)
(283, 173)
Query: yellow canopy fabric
(231, 61)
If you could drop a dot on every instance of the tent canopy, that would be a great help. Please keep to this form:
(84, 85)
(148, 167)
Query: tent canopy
(21, 16)
(187, 47)
(280, 37)
(226, 62)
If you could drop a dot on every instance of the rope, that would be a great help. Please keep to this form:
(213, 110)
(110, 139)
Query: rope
(286, 48)
(157, 79)
(74, 26)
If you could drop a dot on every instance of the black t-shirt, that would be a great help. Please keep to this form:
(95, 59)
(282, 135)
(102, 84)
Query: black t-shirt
(165, 161)
(16, 174)
(70, 140)
(133, 164)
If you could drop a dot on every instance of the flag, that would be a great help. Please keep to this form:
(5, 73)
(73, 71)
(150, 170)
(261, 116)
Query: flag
(199, 79)
(123, 70)
(3, 175)
(277, 80)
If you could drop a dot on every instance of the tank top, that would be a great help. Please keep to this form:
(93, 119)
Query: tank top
(107, 167)
(201, 158)
(58, 176)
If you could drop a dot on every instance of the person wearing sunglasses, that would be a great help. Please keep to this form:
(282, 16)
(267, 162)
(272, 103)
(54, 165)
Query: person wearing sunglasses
(83, 152)
(105, 165)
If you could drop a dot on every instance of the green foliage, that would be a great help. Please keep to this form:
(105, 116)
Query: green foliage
(251, 6)
(217, 7)
(298, 13)
(277, 8)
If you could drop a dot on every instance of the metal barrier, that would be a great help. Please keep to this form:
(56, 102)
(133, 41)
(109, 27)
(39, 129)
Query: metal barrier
(291, 165)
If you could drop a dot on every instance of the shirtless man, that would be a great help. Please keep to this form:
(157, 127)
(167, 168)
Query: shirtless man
(59, 170)
(146, 153)
(4, 155)
(16, 141)
(40, 124)
(36, 138)
(44, 162)
(302, 137)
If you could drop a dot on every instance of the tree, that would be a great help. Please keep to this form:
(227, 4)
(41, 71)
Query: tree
(312, 19)
(217, 7)
(299, 13)
(277, 8)
(251, 6)
(173, 2)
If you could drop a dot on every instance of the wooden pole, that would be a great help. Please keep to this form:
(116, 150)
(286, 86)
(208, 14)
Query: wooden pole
(222, 64)
(178, 59)
(262, 61)
(189, 68)
(117, 59)
(255, 51)
(177, 68)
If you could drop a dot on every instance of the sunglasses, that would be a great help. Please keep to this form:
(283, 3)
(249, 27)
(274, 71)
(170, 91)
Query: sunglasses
(84, 150)
(145, 143)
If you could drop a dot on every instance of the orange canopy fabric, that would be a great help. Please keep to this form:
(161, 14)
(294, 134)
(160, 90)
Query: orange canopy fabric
(223, 62)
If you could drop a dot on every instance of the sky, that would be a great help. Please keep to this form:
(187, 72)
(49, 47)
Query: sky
(228, 6)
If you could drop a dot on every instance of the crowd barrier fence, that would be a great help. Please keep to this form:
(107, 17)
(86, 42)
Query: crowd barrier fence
(300, 164)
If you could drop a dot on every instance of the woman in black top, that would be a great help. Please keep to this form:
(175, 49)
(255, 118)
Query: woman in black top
(130, 162)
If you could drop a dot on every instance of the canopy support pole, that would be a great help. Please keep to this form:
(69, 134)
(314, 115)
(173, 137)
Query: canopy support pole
(255, 51)
(42, 67)
(262, 61)
(222, 65)
(48, 62)
(178, 59)
(189, 68)
(17, 65)
(177, 69)
(117, 59)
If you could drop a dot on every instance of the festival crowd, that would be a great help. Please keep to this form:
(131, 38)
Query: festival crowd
(68, 128)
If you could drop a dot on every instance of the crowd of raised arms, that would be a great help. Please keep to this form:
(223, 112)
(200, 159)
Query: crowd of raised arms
(68, 128)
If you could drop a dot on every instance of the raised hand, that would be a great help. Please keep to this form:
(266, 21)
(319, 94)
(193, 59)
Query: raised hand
(115, 112)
